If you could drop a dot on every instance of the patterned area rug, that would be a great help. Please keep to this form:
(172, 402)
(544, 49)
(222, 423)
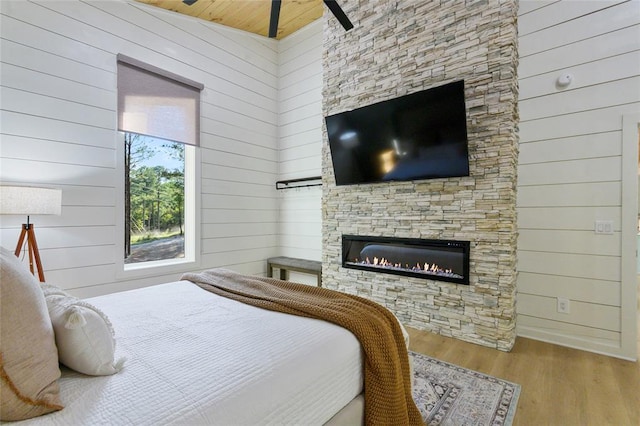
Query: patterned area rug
(450, 395)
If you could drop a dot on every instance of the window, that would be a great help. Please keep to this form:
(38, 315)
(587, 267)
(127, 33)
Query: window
(154, 197)
(158, 115)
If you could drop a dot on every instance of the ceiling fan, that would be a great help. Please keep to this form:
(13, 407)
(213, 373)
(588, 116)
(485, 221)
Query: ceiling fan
(275, 14)
(331, 4)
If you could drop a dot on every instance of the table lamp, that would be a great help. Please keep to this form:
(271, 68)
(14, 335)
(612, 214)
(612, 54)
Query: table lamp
(27, 200)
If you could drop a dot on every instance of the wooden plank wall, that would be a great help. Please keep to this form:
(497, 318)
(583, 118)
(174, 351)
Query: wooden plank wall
(570, 160)
(58, 121)
(300, 144)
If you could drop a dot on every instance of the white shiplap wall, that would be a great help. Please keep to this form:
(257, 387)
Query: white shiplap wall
(58, 112)
(570, 170)
(300, 144)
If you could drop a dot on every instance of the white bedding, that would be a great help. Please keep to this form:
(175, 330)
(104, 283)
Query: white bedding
(197, 358)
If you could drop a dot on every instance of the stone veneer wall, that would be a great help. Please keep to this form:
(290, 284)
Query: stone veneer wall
(397, 48)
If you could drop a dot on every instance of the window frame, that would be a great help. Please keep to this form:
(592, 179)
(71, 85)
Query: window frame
(192, 207)
(192, 222)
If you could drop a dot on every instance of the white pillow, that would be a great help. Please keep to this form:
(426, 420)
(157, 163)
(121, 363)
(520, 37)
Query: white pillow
(29, 366)
(84, 335)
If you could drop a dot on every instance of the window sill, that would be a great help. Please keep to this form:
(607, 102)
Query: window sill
(156, 268)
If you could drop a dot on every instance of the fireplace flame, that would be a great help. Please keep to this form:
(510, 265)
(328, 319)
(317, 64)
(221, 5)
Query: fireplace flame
(382, 262)
(427, 268)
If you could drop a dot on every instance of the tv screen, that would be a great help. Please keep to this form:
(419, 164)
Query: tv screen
(418, 136)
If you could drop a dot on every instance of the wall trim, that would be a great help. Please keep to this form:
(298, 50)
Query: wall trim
(629, 230)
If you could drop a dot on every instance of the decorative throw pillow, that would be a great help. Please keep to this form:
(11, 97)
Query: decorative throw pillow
(29, 367)
(84, 334)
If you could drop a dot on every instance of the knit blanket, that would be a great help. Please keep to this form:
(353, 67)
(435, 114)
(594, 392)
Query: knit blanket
(387, 384)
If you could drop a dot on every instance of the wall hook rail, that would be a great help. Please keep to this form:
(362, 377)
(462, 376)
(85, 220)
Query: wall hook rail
(299, 183)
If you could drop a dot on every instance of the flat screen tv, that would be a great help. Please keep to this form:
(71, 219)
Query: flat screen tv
(418, 136)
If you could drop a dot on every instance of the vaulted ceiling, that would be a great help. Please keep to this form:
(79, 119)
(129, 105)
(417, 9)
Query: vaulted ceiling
(248, 15)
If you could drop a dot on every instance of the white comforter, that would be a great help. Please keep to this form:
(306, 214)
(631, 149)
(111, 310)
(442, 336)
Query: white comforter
(197, 358)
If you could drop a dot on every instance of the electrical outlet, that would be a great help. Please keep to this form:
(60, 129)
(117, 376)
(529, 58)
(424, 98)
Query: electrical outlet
(604, 227)
(563, 305)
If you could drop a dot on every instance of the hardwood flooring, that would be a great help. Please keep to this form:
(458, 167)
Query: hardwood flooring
(560, 386)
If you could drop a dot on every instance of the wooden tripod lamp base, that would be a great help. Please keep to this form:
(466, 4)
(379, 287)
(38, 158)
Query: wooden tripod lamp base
(29, 200)
(29, 234)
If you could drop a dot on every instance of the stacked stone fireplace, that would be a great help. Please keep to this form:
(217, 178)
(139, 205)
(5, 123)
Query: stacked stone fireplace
(397, 48)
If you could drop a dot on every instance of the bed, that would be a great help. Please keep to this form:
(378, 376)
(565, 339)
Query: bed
(185, 356)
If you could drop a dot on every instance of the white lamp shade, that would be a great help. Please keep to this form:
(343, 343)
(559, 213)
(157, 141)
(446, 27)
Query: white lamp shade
(28, 200)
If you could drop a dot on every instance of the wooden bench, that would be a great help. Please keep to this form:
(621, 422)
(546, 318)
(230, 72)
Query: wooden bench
(286, 264)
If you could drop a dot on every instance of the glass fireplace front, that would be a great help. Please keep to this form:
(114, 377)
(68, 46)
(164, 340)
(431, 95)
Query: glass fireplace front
(442, 260)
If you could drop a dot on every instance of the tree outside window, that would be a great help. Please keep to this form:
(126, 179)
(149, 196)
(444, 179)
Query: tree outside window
(154, 199)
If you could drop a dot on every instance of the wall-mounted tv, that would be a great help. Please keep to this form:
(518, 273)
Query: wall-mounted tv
(418, 136)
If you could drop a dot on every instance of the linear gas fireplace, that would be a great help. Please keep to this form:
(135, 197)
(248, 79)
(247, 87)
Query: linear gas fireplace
(442, 260)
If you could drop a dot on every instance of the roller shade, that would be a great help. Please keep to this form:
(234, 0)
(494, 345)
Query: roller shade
(157, 103)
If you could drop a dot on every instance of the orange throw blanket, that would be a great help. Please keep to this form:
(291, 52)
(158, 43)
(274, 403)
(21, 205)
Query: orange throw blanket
(388, 399)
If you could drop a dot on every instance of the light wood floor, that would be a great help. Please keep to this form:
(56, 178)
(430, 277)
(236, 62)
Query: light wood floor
(560, 386)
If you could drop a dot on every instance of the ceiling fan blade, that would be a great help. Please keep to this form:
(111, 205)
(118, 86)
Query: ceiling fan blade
(275, 17)
(189, 2)
(339, 14)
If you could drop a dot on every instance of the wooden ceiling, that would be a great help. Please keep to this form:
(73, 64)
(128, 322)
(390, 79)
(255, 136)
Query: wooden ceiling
(248, 15)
